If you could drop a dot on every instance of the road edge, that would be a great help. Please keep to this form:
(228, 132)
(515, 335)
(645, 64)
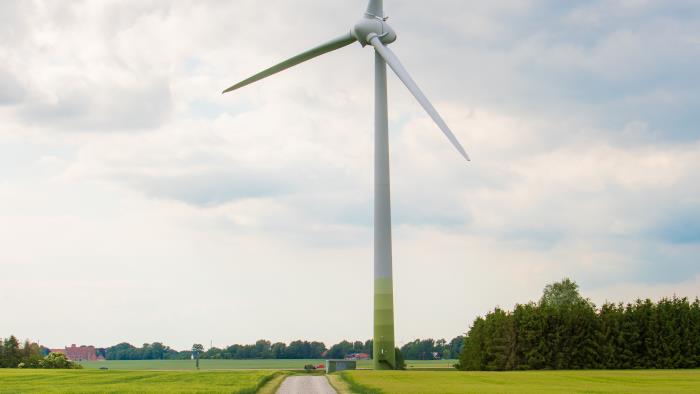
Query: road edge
(274, 384)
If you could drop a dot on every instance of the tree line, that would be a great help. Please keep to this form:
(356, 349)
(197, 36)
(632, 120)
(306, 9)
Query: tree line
(13, 353)
(427, 349)
(149, 351)
(430, 349)
(30, 355)
(565, 331)
(262, 349)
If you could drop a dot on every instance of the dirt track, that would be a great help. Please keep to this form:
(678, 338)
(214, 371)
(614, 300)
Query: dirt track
(306, 385)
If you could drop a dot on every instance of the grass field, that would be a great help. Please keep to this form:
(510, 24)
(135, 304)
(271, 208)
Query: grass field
(90, 381)
(212, 365)
(443, 382)
(362, 381)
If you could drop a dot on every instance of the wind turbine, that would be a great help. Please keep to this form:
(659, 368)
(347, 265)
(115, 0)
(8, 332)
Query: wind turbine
(373, 30)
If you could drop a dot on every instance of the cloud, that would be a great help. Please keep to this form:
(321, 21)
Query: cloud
(211, 187)
(681, 228)
(74, 75)
(95, 106)
(11, 90)
(541, 60)
(12, 25)
(580, 117)
(629, 292)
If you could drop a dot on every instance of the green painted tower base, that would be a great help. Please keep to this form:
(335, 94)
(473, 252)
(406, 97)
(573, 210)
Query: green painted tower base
(383, 352)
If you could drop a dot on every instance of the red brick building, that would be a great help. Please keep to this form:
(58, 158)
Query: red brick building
(79, 353)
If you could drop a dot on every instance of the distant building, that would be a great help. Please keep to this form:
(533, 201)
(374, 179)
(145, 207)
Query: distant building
(340, 365)
(79, 353)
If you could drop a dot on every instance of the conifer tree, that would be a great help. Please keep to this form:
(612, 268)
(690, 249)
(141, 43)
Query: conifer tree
(566, 331)
(530, 345)
(499, 341)
(610, 343)
(472, 357)
(11, 353)
(695, 333)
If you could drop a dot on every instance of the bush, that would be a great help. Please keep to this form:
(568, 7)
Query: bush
(58, 361)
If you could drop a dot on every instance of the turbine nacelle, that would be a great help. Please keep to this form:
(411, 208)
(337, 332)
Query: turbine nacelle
(372, 26)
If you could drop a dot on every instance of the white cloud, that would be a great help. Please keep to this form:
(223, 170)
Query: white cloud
(231, 212)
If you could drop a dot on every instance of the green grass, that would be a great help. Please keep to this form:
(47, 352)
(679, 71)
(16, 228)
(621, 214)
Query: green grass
(271, 386)
(204, 365)
(361, 381)
(212, 365)
(87, 381)
(443, 382)
(430, 364)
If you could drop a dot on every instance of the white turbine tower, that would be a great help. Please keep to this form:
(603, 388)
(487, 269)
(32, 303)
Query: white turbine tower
(373, 30)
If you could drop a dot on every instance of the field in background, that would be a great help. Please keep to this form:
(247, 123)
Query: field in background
(185, 365)
(430, 364)
(405, 382)
(638, 381)
(25, 380)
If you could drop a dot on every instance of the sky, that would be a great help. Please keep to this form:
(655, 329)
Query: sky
(139, 204)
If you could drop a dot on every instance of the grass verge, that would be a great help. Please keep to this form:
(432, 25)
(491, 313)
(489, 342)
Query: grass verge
(86, 381)
(271, 383)
(339, 384)
(212, 365)
(357, 387)
(600, 381)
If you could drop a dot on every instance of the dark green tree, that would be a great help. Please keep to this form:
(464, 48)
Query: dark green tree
(455, 347)
(213, 353)
(530, 345)
(368, 347)
(473, 355)
(566, 331)
(197, 349)
(561, 294)
(263, 349)
(11, 355)
(499, 343)
(31, 355)
(420, 349)
(611, 341)
(317, 349)
(340, 350)
(278, 350)
(694, 341)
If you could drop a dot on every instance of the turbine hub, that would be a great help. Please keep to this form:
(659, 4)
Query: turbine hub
(371, 25)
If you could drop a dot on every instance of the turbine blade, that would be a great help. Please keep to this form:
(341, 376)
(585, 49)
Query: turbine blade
(329, 46)
(403, 75)
(376, 8)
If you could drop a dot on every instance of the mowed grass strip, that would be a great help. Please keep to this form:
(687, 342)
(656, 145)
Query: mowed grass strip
(638, 381)
(90, 381)
(214, 365)
(204, 365)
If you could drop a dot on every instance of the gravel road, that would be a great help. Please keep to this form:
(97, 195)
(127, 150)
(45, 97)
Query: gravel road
(306, 385)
